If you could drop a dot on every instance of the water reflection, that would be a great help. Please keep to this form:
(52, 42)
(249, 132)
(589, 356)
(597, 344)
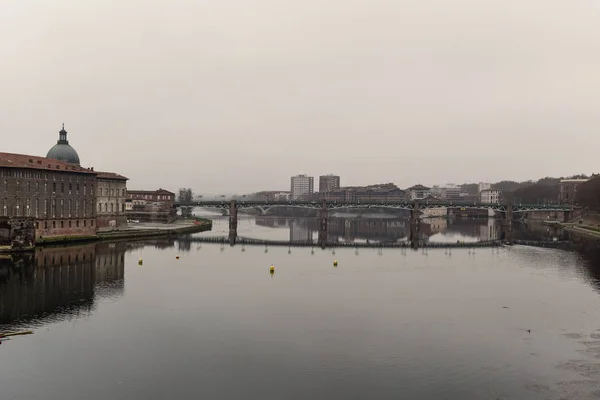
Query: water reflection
(385, 230)
(55, 282)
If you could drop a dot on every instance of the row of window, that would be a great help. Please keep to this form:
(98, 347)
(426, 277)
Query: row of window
(113, 207)
(64, 208)
(27, 187)
(151, 196)
(112, 192)
(27, 174)
(63, 224)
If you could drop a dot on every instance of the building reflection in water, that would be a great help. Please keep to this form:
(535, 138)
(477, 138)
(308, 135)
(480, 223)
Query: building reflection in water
(58, 282)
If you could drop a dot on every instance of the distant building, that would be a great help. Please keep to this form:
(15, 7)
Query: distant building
(484, 186)
(151, 196)
(111, 200)
(272, 195)
(418, 192)
(568, 190)
(448, 192)
(386, 192)
(489, 196)
(301, 185)
(329, 183)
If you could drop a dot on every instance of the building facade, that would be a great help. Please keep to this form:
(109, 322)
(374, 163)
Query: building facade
(328, 183)
(489, 196)
(272, 195)
(301, 185)
(483, 186)
(110, 200)
(568, 190)
(160, 198)
(60, 196)
(384, 192)
(418, 192)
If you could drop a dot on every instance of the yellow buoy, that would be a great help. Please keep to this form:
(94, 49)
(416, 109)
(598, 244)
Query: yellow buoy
(272, 269)
(140, 261)
(335, 263)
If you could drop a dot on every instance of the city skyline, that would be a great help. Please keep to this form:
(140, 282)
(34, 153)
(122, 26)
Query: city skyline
(240, 99)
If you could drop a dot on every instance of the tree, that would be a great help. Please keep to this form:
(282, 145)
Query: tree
(536, 193)
(186, 196)
(470, 188)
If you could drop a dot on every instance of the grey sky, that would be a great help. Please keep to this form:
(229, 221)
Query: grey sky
(238, 95)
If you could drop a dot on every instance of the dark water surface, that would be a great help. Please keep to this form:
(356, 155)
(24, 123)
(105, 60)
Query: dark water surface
(382, 325)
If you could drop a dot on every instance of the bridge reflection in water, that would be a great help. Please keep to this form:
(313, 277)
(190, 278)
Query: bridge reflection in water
(390, 231)
(58, 282)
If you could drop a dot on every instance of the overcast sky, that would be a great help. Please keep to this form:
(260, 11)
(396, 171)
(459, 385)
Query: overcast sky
(238, 95)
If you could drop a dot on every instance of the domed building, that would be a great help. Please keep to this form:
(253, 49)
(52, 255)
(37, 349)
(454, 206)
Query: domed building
(62, 150)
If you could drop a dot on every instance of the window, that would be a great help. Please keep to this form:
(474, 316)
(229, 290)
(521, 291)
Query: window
(70, 208)
(99, 207)
(53, 224)
(37, 208)
(62, 187)
(111, 207)
(76, 208)
(29, 186)
(84, 208)
(45, 187)
(92, 222)
(106, 192)
(123, 193)
(62, 224)
(105, 207)
(112, 192)
(53, 208)
(45, 224)
(5, 207)
(84, 223)
(62, 208)
(70, 187)
(77, 223)
(37, 186)
(123, 207)
(45, 208)
(69, 224)
(53, 187)
(99, 192)
(18, 207)
(27, 207)
(84, 188)
(18, 186)
(77, 187)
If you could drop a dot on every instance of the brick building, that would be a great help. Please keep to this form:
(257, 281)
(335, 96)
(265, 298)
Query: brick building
(568, 190)
(144, 197)
(110, 200)
(59, 195)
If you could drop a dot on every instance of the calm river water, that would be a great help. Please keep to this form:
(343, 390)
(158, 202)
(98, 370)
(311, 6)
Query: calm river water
(514, 323)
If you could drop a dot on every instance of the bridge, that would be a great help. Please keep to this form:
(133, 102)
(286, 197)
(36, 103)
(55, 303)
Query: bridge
(325, 206)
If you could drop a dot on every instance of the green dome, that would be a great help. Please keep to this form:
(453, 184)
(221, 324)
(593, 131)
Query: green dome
(62, 150)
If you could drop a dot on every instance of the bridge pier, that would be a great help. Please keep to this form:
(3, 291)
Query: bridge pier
(414, 225)
(233, 222)
(322, 240)
(508, 225)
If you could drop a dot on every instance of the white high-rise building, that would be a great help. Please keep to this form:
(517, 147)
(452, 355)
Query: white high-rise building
(302, 185)
(484, 186)
(489, 196)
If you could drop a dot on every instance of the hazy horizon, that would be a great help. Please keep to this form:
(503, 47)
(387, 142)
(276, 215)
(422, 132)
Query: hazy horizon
(236, 96)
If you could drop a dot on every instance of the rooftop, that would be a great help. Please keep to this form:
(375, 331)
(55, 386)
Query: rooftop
(418, 187)
(110, 175)
(12, 160)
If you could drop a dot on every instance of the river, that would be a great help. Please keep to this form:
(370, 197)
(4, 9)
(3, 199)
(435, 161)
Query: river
(198, 320)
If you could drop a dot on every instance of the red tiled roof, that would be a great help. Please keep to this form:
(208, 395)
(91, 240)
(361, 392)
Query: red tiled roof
(11, 160)
(149, 191)
(110, 175)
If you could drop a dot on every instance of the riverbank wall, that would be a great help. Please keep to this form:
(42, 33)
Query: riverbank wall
(129, 233)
